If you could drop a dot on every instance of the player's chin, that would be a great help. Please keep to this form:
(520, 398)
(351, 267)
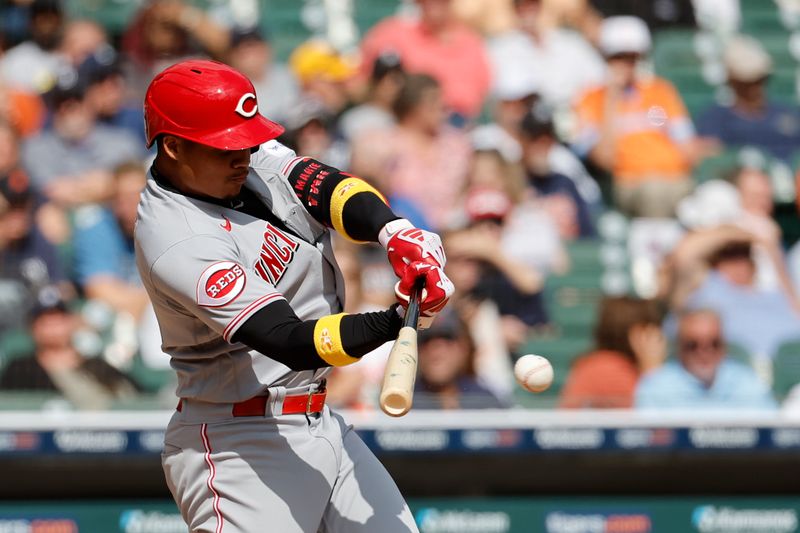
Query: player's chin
(233, 186)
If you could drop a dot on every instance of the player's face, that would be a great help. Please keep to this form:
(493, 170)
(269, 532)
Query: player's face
(213, 172)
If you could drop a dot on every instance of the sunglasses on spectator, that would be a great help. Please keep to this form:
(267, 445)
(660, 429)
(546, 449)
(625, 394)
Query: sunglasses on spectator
(694, 345)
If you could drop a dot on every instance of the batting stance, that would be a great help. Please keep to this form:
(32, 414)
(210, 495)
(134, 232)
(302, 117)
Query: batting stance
(234, 248)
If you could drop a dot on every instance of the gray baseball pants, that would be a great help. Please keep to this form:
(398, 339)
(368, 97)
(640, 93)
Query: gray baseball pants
(284, 474)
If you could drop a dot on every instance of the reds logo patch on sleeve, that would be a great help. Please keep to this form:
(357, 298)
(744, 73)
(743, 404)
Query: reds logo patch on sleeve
(220, 284)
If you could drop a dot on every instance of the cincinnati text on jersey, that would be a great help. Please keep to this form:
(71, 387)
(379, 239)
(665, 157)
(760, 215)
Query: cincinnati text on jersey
(277, 251)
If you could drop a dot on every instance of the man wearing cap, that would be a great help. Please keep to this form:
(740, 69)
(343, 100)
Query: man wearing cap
(56, 366)
(636, 127)
(28, 261)
(447, 377)
(106, 92)
(752, 119)
(276, 87)
(71, 161)
(233, 245)
(562, 62)
(32, 64)
(324, 73)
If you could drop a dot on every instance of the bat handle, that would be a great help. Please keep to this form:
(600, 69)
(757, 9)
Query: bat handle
(412, 313)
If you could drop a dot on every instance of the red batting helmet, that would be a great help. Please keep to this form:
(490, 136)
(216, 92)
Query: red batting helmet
(206, 102)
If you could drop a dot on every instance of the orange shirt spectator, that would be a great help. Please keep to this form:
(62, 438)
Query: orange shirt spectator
(439, 45)
(25, 111)
(636, 126)
(628, 342)
(603, 379)
(649, 119)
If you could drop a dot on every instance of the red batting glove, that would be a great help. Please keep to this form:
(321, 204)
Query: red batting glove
(406, 244)
(435, 295)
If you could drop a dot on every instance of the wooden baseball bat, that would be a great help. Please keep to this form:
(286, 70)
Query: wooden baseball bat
(397, 391)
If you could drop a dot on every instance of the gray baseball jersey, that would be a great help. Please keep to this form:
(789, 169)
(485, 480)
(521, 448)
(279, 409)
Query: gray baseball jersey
(207, 270)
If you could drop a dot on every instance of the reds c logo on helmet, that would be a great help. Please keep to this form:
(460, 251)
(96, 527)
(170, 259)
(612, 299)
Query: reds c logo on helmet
(206, 102)
(240, 105)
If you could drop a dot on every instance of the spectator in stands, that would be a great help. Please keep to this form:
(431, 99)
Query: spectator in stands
(496, 260)
(276, 87)
(14, 23)
(423, 160)
(32, 64)
(446, 377)
(71, 162)
(56, 366)
(752, 119)
(714, 269)
(28, 260)
(565, 62)
(488, 17)
(636, 127)
(23, 110)
(628, 342)
(162, 33)
(81, 39)
(310, 131)
(439, 45)
(106, 93)
(558, 192)
(515, 93)
(325, 74)
(702, 377)
(375, 112)
(104, 267)
(756, 199)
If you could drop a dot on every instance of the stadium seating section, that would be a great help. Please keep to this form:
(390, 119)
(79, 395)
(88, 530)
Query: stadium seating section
(690, 58)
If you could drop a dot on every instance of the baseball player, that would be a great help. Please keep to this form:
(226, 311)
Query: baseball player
(234, 247)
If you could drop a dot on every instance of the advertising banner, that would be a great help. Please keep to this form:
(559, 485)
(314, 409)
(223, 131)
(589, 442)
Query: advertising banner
(473, 515)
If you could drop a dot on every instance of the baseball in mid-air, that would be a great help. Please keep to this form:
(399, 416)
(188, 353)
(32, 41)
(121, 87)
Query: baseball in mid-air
(533, 372)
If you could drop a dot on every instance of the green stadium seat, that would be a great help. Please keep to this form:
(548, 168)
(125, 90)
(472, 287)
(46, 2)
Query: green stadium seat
(560, 351)
(28, 401)
(370, 12)
(782, 85)
(14, 344)
(113, 15)
(717, 167)
(739, 353)
(674, 47)
(688, 80)
(786, 368)
(762, 21)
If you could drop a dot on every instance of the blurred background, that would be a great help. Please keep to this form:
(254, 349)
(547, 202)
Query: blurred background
(616, 185)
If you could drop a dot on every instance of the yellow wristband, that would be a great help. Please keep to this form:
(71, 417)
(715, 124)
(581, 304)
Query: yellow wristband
(344, 190)
(328, 341)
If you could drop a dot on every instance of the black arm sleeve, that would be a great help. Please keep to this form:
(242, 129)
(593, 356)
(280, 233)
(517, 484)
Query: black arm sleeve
(363, 215)
(277, 332)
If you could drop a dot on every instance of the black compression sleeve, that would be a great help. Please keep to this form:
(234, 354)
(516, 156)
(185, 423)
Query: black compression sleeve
(277, 332)
(364, 215)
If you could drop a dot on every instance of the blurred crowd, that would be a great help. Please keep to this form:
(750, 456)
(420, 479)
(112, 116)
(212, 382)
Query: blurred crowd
(520, 130)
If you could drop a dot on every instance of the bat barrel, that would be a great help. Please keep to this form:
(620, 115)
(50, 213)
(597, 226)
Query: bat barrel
(397, 392)
(395, 402)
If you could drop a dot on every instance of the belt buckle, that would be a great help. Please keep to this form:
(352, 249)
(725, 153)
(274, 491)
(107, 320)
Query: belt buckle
(320, 389)
(308, 402)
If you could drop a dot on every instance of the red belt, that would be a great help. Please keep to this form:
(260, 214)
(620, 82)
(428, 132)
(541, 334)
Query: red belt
(292, 405)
